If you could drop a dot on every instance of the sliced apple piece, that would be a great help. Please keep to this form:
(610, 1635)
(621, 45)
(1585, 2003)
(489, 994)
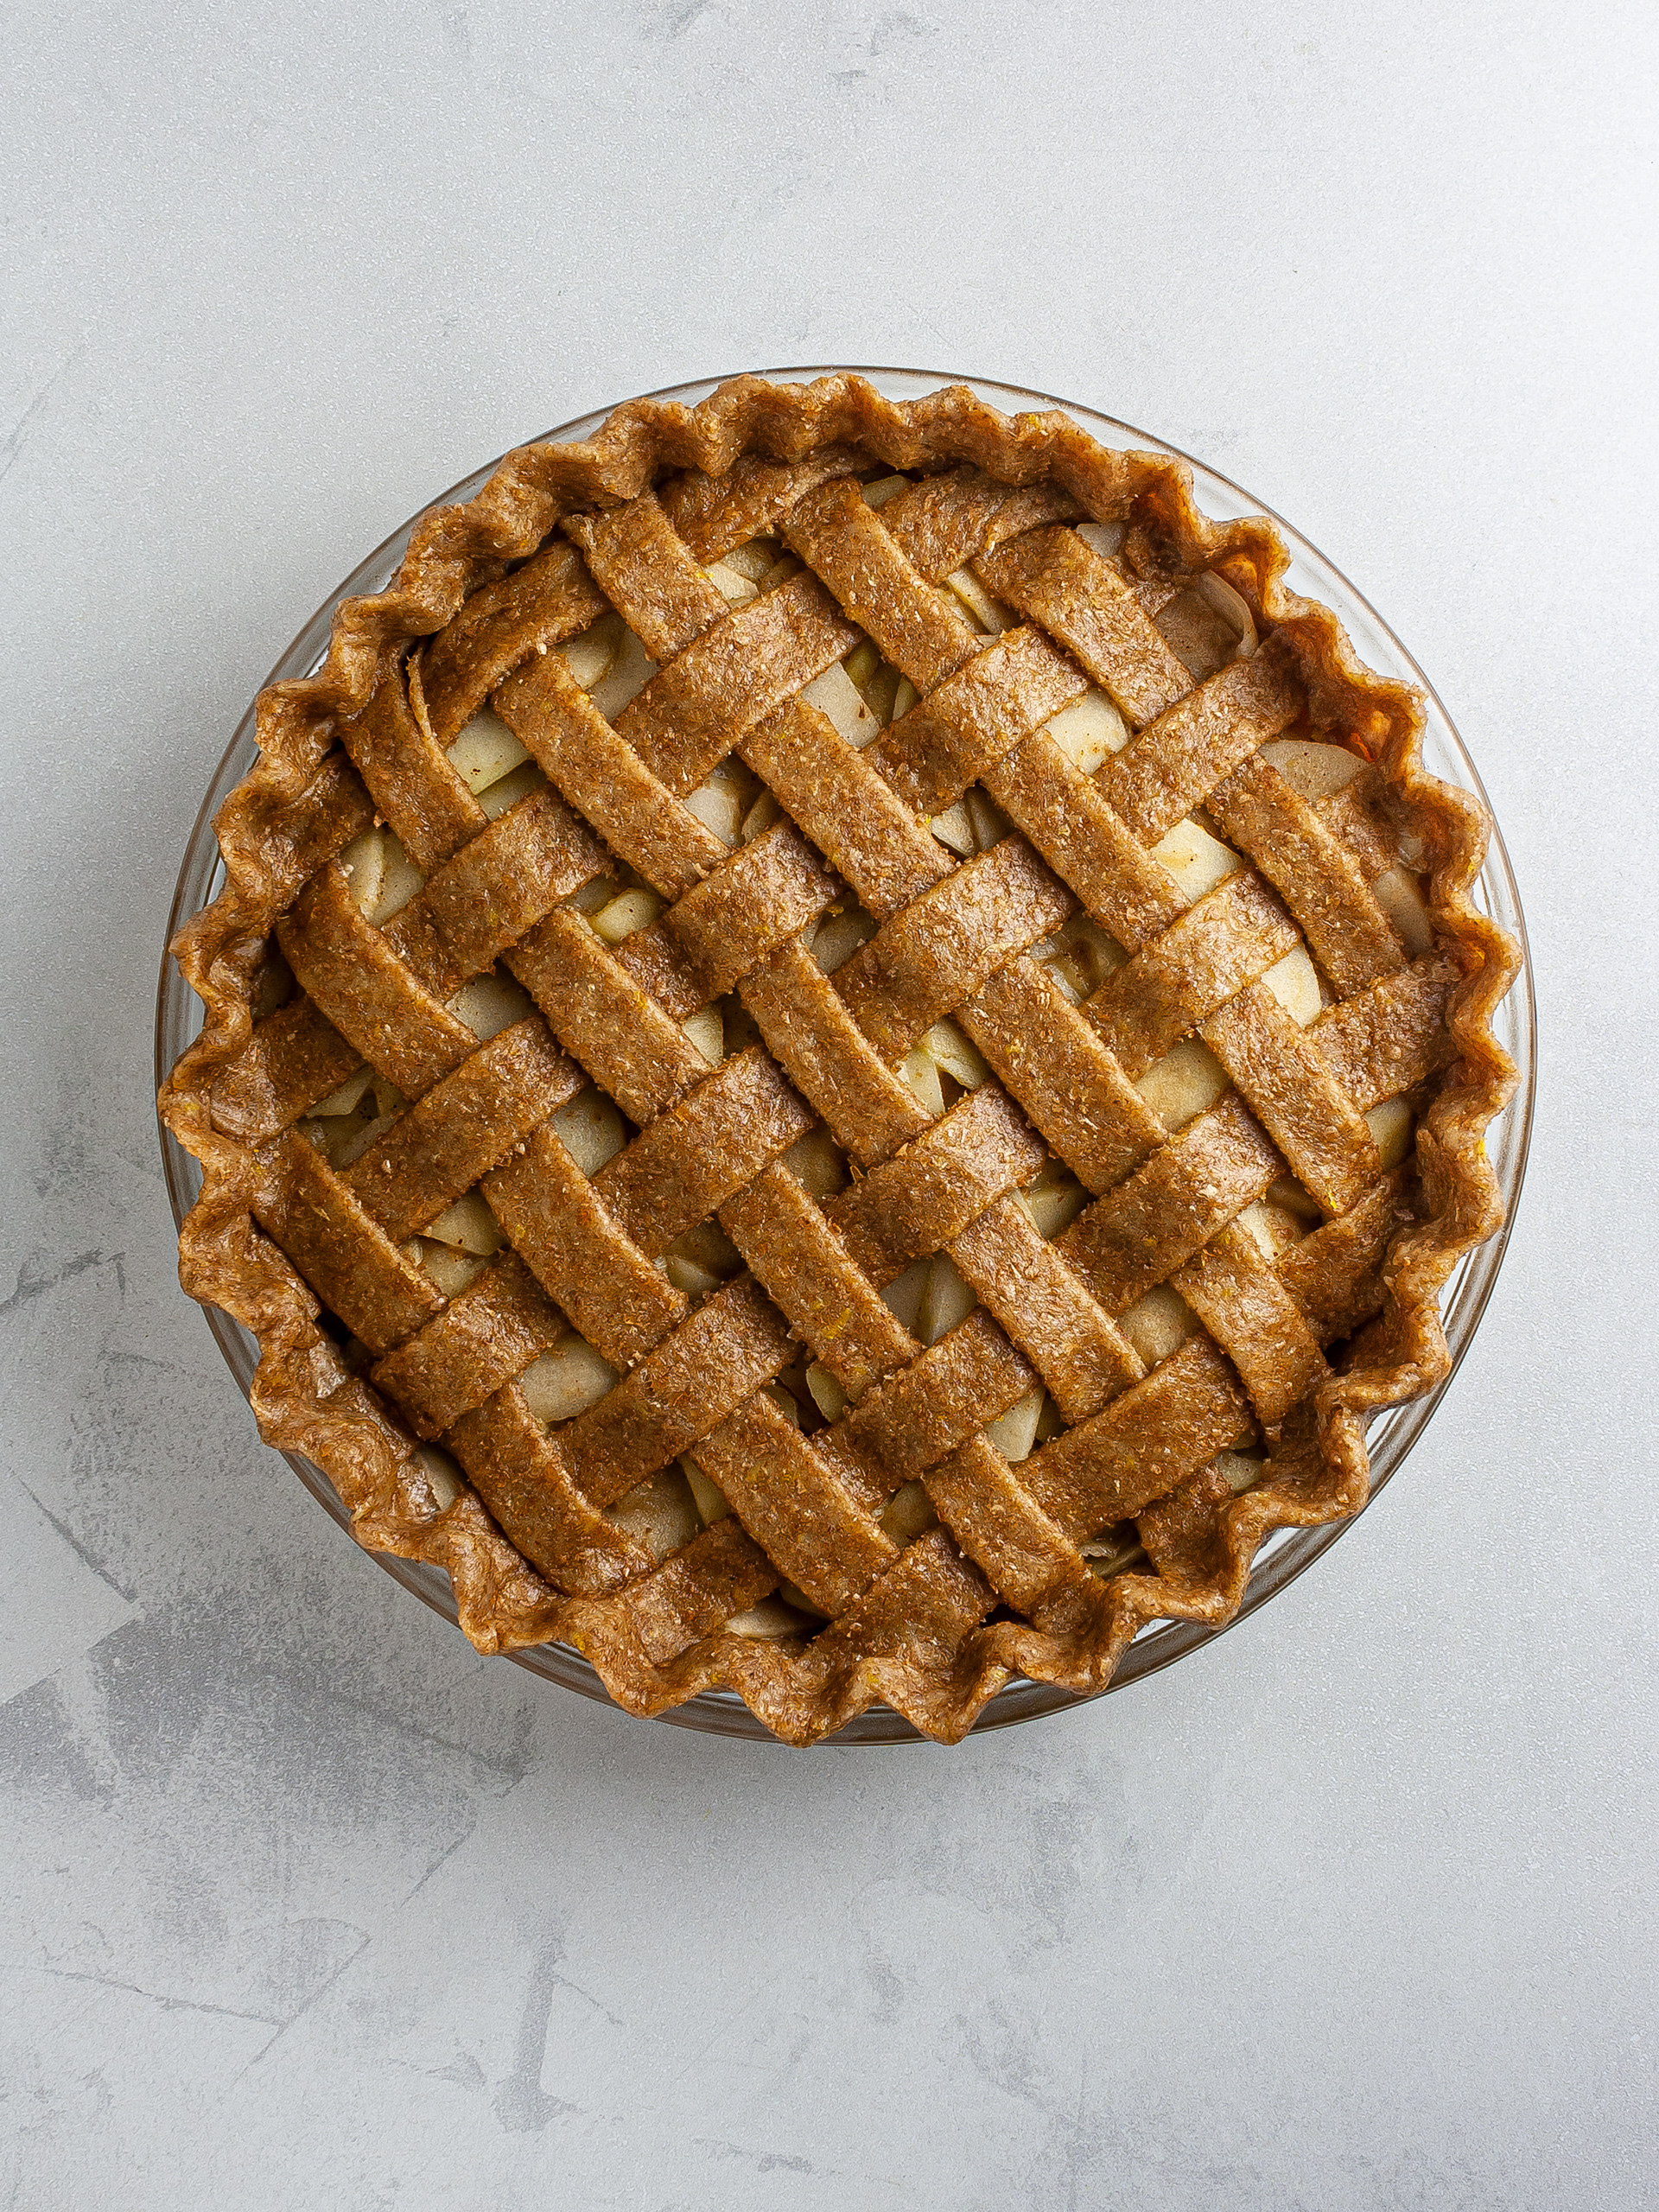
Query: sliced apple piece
(566, 1380)
(945, 1299)
(468, 1224)
(1200, 638)
(356, 1139)
(880, 691)
(827, 1393)
(1159, 1323)
(661, 1513)
(1294, 982)
(1093, 953)
(908, 1513)
(708, 1033)
(1273, 1227)
(862, 662)
(1241, 1468)
(490, 1003)
(443, 1475)
(382, 877)
(1104, 537)
(519, 784)
(449, 1267)
(950, 1050)
(784, 1401)
(955, 828)
(1184, 1083)
(712, 1503)
(689, 1276)
(838, 937)
(904, 1294)
(883, 489)
(921, 1071)
(835, 694)
(1089, 731)
(1400, 896)
(1297, 1200)
(770, 1622)
(1390, 1125)
(400, 879)
(1232, 607)
(1196, 860)
(590, 1129)
(819, 1162)
(1109, 1554)
(329, 1137)
(486, 751)
(364, 862)
(761, 816)
(626, 676)
(589, 656)
(990, 824)
(1256, 1220)
(1060, 959)
(718, 805)
(628, 912)
(731, 583)
(1054, 1206)
(1015, 1432)
(990, 614)
(707, 1243)
(751, 560)
(905, 697)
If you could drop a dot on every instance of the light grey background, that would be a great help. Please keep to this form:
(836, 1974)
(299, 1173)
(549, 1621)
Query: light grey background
(307, 1905)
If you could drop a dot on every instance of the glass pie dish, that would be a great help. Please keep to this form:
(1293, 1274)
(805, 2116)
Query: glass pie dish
(1392, 1433)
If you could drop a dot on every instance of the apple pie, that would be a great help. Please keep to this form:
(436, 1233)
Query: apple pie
(843, 1051)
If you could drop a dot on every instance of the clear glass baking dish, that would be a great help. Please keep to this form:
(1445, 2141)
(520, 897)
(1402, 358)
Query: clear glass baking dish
(1288, 1552)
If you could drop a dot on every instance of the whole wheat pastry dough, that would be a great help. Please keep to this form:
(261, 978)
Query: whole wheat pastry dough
(843, 1050)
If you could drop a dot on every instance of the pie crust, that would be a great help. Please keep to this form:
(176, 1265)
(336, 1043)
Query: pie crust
(843, 1051)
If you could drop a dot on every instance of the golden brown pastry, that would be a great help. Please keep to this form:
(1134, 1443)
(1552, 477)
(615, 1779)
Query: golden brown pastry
(843, 1051)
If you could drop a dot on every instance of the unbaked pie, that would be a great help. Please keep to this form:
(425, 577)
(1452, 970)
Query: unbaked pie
(843, 1051)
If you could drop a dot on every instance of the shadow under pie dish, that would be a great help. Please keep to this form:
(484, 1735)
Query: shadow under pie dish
(843, 1051)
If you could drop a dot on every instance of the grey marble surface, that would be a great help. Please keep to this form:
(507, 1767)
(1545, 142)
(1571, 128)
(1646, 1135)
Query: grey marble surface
(307, 1905)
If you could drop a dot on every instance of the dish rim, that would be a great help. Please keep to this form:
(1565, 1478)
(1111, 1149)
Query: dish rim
(1288, 1553)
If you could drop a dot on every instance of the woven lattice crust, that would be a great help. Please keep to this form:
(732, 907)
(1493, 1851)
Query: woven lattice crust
(367, 1361)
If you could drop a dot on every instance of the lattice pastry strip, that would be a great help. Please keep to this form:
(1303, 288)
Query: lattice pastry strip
(657, 636)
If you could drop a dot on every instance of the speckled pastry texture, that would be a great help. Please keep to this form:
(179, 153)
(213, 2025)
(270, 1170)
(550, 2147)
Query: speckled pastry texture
(410, 1397)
